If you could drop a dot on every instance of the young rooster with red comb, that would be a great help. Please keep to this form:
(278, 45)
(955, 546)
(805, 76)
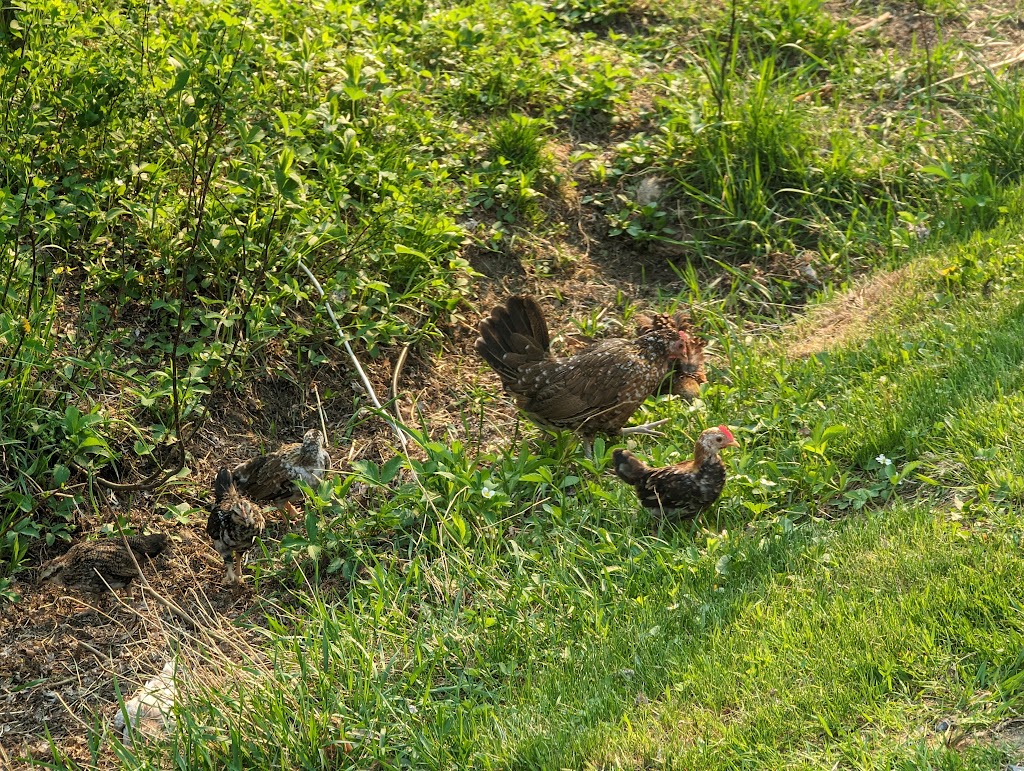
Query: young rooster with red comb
(684, 490)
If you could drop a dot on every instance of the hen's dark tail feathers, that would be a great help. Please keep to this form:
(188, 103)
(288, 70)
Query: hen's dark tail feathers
(515, 334)
(223, 484)
(629, 468)
(148, 545)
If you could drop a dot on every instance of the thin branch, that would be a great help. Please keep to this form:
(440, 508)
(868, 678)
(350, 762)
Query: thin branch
(399, 366)
(399, 432)
(320, 410)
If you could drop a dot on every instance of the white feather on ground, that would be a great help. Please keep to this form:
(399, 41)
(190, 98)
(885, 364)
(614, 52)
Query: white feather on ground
(150, 711)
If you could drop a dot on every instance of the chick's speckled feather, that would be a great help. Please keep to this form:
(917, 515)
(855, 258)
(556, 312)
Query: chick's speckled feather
(93, 565)
(234, 524)
(682, 490)
(272, 477)
(594, 391)
(688, 371)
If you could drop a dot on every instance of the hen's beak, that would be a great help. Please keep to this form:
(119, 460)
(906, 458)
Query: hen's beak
(731, 443)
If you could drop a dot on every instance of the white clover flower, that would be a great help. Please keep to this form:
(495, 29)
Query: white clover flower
(883, 460)
(487, 492)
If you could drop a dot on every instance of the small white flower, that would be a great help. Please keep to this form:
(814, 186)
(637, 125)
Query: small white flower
(487, 492)
(883, 460)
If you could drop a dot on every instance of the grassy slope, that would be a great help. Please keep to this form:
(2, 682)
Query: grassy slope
(831, 610)
(570, 637)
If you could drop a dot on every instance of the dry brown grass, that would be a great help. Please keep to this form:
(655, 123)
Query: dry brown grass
(849, 316)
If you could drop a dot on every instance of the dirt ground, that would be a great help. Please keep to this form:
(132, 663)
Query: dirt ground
(60, 651)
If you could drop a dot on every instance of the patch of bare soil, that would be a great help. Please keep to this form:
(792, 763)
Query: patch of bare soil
(61, 651)
(993, 30)
(1007, 737)
(848, 317)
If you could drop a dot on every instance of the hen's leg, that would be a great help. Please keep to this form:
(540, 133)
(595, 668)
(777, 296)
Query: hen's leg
(647, 428)
(238, 567)
(588, 447)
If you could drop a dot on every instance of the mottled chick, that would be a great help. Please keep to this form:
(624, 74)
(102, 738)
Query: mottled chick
(271, 478)
(688, 370)
(93, 566)
(685, 489)
(234, 524)
(595, 391)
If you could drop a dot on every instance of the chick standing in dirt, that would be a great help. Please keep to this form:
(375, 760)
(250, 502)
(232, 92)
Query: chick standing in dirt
(271, 478)
(234, 524)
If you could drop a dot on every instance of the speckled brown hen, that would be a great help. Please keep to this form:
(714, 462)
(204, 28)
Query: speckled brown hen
(271, 478)
(685, 489)
(93, 566)
(595, 391)
(234, 524)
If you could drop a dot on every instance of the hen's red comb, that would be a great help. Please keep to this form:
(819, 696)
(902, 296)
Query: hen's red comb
(728, 434)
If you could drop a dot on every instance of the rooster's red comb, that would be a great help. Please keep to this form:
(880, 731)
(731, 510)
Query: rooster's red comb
(728, 434)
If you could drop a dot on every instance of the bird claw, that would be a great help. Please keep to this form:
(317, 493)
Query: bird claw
(647, 429)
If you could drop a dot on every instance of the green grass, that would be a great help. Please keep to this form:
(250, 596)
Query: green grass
(511, 607)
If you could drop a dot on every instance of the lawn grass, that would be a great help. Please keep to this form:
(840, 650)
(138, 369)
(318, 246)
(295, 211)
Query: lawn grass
(506, 603)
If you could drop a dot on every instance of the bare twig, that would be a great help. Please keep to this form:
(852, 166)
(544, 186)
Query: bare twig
(399, 366)
(878, 21)
(320, 410)
(399, 432)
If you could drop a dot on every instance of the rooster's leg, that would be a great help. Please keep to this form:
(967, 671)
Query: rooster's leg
(647, 428)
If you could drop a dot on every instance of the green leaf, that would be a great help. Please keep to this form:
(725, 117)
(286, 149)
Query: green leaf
(24, 501)
(179, 83)
(722, 566)
(61, 474)
(403, 249)
(460, 526)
